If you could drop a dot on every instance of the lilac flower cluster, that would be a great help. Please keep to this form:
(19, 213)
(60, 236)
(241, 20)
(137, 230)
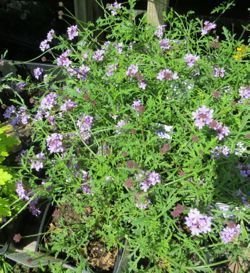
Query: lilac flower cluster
(63, 59)
(98, 55)
(33, 207)
(83, 72)
(191, 59)
(244, 92)
(198, 223)
(219, 72)
(207, 27)
(167, 74)
(244, 169)
(120, 124)
(38, 72)
(219, 151)
(37, 163)
(21, 192)
(111, 70)
(119, 47)
(72, 32)
(114, 8)
(160, 31)
(138, 106)
(85, 185)
(48, 102)
(148, 179)
(68, 105)
(230, 233)
(85, 124)
(44, 45)
(16, 116)
(220, 129)
(55, 143)
(165, 44)
(133, 72)
(204, 116)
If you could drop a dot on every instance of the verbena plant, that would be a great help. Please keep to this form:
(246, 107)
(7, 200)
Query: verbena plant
(144, 135)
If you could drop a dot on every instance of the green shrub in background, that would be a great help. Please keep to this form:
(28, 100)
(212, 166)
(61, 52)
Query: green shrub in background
(144, 141)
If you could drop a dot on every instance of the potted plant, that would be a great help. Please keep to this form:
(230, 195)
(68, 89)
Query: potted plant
(144, 142)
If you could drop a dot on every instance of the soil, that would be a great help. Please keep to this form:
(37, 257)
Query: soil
(99, 257)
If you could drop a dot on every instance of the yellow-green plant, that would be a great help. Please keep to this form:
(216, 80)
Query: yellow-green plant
(8, 142)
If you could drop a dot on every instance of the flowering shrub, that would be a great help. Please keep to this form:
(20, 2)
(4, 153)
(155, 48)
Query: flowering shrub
(145, 138)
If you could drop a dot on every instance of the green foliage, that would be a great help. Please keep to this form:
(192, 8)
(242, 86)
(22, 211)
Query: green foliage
(7, 188)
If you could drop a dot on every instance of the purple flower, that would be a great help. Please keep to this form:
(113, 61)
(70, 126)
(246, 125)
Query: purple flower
(151, 179)
(219, 72)
(120, 124)
(51, 120)
(72, 32)
(132, 70)
(244, 92)
(167, 74)
(54, 143)
(33, 208)
(98, 55)
(220, 151)
(145, 185)
(198, 223)
(202, 116)
(142, 85)
(20, 85)
(48, 102)
(114, 8)
(138, 106)
(85, 124)
(38, 72)
(16, 117)
(111, 70)
(165, 44)
(244, 169)
(37, 163)
(22, 116)
(86, 188)
(221, 130)
(207, 27)
(119, 48)
(68, 105)
(63, 59)
(230, 233)
(154, 178)
(9, 112)
(160, 31)
(191, 59)
(50, 35)
(44, 45)
(82, 72)
(21, 192)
